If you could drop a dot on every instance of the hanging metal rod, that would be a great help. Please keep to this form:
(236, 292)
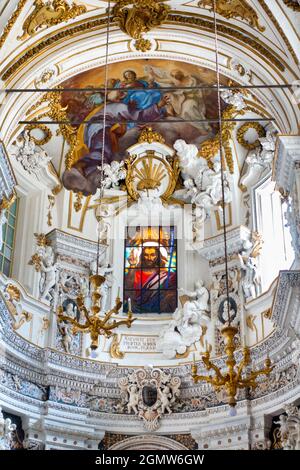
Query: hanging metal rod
(195, 87)
(148, 122)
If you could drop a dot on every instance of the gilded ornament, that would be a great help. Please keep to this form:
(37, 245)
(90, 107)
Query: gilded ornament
(149, 136)
(6, 203)
(234, 9)
(148, 172)
(260, 130)
(78, 202)
(49, 14)
(35, 261)
(41, 239)
(57, 112)
(210, 147)
(57, 189)
(143, 45)
(268, 314)
(12, 21)
(141, 18)
(24, 317)
(42, 127)
(294, 4)
(114, 351)
(13, 292)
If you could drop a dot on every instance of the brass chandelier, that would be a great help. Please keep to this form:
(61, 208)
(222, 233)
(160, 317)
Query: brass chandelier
(93, 323)
(236, 376)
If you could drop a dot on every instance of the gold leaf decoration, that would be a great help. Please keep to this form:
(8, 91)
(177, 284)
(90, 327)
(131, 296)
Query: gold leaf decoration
(42, 127)
(242, 131)
(149, 136)
(234, 9)
(49, 14)
(57, 112)
(141, 18)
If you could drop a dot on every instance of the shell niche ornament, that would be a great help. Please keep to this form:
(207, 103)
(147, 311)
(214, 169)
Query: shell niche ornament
(151, 167)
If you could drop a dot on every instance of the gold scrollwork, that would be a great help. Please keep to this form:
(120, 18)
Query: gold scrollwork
(12, 21)
(114, 351)
(234, 9)
(57, 112)
(143, 45)
(5, 203)
(260, 130)
(210, 147)
(49, 14)
(42, 127)
(149, 136)
(294, 4)
(141, 18)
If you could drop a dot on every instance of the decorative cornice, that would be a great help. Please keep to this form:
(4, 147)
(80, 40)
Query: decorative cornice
(279, 28)
(178, 19)
(232, 33)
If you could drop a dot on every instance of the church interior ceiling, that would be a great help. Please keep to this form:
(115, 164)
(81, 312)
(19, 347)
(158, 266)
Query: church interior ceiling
(149, 202)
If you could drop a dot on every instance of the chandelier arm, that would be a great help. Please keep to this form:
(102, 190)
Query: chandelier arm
(206, 378)
(72, 321)
(112, 311)
(84, 310)
(257, 373)
(209, 365)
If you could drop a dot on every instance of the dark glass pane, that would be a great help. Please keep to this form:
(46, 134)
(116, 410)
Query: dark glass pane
(168, 301)
(9, 236)
(13, 208)
(1, 261)
(11, 220)
(6, 267)
(150, 301)
(7, 252)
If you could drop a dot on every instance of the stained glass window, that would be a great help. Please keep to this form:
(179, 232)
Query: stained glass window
(150, 271)
(8, 234)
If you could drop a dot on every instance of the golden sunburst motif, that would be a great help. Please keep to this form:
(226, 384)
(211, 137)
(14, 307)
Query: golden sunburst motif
(150, 175)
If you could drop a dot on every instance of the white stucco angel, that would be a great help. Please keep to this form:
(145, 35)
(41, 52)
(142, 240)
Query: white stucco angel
(165, 395)
(133, 398)
(6, 430)
(66, 337)
(201, 296)
(149, 200)
(48, 273)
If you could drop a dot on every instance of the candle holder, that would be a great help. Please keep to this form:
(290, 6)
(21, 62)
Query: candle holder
(94, 324)
(232, 380)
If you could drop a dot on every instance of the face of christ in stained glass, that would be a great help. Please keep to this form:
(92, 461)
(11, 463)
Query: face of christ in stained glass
(150, 274)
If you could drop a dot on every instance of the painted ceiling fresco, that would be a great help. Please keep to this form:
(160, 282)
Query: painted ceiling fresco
(136, 93)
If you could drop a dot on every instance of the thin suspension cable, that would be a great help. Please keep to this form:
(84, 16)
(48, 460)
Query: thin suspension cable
(222, 160)
(104, 127)
(164, 88)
